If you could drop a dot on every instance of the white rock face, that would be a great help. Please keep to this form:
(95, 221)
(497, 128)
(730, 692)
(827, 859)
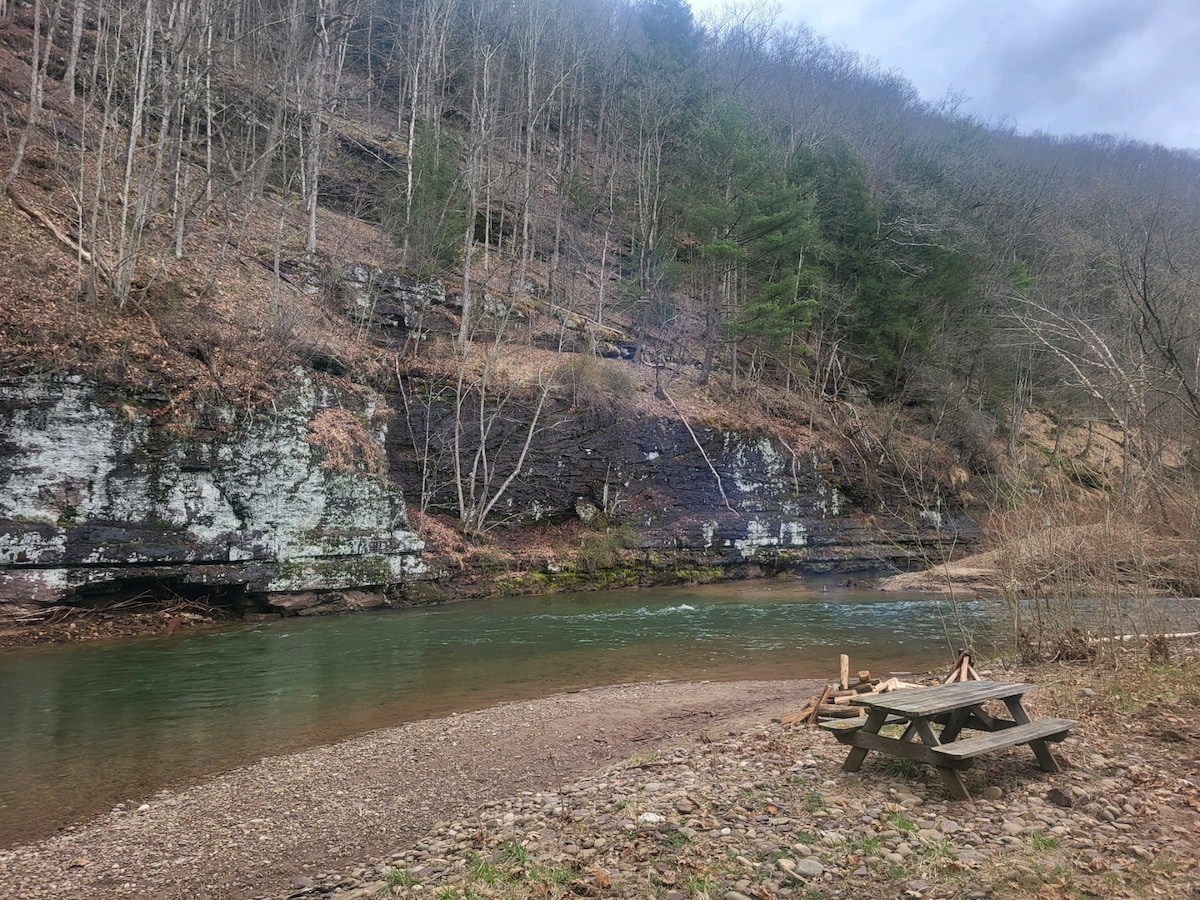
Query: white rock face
(94, 494)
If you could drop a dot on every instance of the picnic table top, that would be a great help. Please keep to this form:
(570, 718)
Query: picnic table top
(942, 698)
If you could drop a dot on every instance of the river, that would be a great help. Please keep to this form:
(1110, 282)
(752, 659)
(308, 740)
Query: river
(83, 727)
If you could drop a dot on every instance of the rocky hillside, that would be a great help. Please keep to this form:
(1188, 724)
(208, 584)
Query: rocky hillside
(555, 293)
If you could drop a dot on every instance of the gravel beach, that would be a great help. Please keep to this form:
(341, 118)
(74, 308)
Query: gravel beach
(672, 790)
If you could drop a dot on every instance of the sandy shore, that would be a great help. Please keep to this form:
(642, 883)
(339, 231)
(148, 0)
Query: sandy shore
(258, 829)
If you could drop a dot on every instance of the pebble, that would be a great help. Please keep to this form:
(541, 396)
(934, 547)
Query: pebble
(776, 833)
(809, 868)
(767, 813)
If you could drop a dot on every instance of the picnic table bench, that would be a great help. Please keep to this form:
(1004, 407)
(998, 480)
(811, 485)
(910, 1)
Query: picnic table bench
(955, 708)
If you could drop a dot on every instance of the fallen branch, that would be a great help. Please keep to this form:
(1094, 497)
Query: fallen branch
(1121, 638)
(700, 447)
(40, 218)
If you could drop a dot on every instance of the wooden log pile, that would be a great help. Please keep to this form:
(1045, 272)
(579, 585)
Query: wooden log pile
(834, 701)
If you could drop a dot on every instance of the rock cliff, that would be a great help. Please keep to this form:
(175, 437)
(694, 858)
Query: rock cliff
(96, 497)
(708, 494)
(297, 509)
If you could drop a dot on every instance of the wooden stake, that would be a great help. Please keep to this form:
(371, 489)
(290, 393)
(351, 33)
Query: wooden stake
(962, 670)
(844, 660)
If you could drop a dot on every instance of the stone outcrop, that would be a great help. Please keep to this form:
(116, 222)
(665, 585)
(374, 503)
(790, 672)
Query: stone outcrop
(95, 497)
(297, 509)
(715, 496)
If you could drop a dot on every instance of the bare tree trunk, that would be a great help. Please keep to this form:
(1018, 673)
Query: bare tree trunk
(73, 53)
(317, 113)
(128, 230)
(37, 75)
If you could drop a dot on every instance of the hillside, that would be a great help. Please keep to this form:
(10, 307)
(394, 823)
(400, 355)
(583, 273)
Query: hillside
(505, 212)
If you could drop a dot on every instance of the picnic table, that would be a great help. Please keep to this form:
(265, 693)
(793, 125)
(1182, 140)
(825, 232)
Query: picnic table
(955, 708)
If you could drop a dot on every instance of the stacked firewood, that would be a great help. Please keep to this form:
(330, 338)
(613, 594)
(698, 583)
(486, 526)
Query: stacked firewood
(834, 701)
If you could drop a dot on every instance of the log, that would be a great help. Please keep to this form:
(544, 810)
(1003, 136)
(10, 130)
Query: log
(57, 233)
(839, 712)
(844, 669)
(1121, 638)
(799, 716)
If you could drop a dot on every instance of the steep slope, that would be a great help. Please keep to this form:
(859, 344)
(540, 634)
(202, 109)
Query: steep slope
(685, 303)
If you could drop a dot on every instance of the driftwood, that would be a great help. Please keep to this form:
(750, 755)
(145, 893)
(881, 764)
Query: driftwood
(1124, 638)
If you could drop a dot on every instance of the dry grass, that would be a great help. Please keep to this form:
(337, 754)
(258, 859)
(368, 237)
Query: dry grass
(1073, 572)
(345, 443)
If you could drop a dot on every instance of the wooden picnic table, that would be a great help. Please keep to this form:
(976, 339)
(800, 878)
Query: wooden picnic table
(955, 708)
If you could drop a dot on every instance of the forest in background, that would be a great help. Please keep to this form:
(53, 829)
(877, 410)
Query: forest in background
(745, 206)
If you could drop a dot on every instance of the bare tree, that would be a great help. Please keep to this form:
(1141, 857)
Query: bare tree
(332, 22)
(37, 78)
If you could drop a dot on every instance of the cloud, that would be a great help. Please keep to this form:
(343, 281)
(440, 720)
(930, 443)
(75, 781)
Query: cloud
(1061, 66)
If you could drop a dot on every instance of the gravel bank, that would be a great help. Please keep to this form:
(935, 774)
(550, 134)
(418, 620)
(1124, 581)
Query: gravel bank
(254, 831)
(666, 790)
(767, 813)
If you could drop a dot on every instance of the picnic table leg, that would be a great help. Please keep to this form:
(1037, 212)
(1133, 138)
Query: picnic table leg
(875, 720)
(954, 783)
(1045, 758)
(955, 726)
(950, 777)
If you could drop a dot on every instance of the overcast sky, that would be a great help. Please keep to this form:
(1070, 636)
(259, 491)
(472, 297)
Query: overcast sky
(1124, 67)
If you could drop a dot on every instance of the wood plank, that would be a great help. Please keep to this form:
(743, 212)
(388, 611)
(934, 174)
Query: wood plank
(930, 701)
(884, 686)
(837, 726)
(1042, 729)
(799, 715)
(812, 718)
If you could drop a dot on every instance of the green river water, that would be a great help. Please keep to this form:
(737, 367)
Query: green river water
(83, 727)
